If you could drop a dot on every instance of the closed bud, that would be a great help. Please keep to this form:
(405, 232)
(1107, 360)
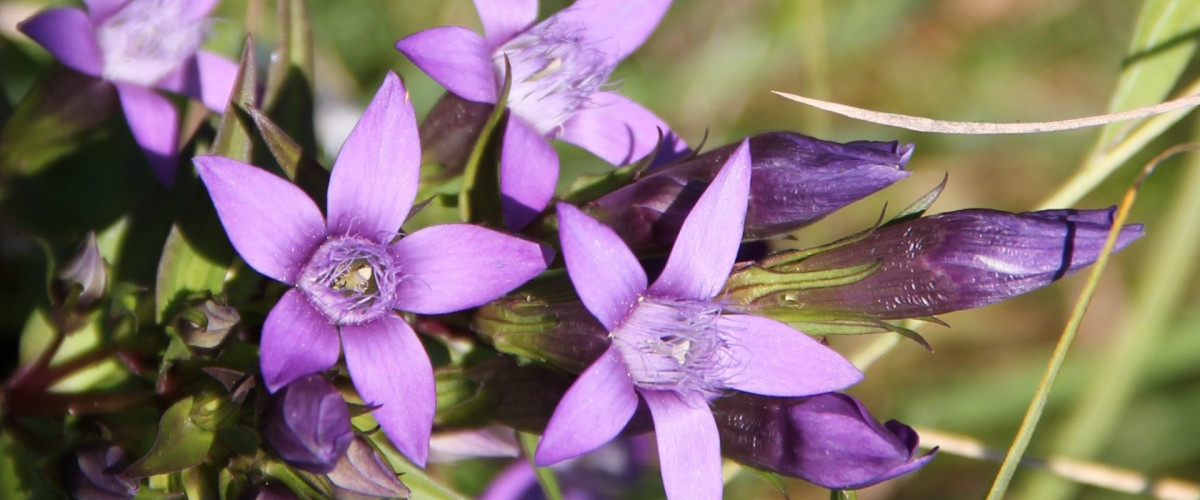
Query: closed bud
(95, 473)
(563, 334)
(795, 180)
(830, 439)
(361, 474)
(86, 274)
(942, 263)
(307, 423)
(206, 323)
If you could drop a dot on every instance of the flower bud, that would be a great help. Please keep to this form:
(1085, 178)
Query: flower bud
(948, 262)
(795, 181)
(205, 323)
(307, 423)
(87, 272)
(563, 334)
(94, 475)
(830, 439)
(360, 473)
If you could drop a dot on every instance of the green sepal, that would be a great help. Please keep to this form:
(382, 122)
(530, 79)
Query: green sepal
(305, 485)
(755, 284)
(479, 200)
(288, 97)
(590, 187)
(772, 479)
(299, 167)
(181, 443)
(918, 207)
(234, 139)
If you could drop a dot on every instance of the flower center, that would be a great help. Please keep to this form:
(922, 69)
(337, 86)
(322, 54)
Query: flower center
(350, 280)
(554, 73)
(147, 39)
(673, 345)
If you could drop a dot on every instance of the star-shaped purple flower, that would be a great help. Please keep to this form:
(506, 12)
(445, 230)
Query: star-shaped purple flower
(559, 70)
(139, 46)
(673, 344)
(351, 272)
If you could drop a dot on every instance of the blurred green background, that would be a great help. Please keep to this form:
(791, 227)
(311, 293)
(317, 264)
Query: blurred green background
(1129, 394)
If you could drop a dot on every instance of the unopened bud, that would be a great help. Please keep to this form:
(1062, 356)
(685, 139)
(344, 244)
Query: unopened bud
(361, 472)
(206, 323)
(95, 473)
(85, 272)
(307, 423)
(829, 440)
(795, 181)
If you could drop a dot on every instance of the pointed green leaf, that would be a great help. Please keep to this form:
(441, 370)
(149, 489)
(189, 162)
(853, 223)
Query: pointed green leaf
(289, 89)
(195, 258)
(918, 208)
(234, 134)
(479, 201)
(180, 443)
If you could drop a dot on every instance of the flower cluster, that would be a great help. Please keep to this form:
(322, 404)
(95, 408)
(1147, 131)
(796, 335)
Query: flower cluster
(346, 343)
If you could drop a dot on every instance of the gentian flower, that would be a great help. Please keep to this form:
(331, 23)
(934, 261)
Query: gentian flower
(307, 423)
(672, 343)
(559, 69)
(139, 46)
(795, 180)
(830, 440)
(959, 260)
(351, 272)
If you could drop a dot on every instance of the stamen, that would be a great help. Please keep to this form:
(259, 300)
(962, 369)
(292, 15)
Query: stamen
(350, 280)
(673, 345)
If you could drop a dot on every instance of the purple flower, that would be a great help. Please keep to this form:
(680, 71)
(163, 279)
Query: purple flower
(795, 180)
(559, 70)
(672, 343)
(960, 260)
(307, 423)
(351, 272)
(138, 46)
(830, 440)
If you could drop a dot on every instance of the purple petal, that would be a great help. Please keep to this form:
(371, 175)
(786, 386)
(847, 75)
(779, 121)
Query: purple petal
(776, 360)
(619, 130)
(154, 122)
(390, 369)
(612, 27)
(196, 9)
(689, 448)
(273, 225)
(307, 423)
(374, 178)
(528, 173)
(455, 57)
(452, 267)
(99, 10)
(606, 275)
(708, 241)
(206, 77)
(67, 34)
(296, 341)
(576, 427)
(503, 19)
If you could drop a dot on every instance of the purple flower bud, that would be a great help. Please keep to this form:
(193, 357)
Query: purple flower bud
(308, 424)
(95, 473)
(207, 322)
(87, 271)
(795, 181)
(830, 439)
(960, 260)
(361, 474)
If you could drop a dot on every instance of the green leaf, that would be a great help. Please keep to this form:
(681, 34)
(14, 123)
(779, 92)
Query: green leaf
(19, 474)
(195, 258)
(479, 201)
(297, 165)
(180, 443)
(58, 116)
